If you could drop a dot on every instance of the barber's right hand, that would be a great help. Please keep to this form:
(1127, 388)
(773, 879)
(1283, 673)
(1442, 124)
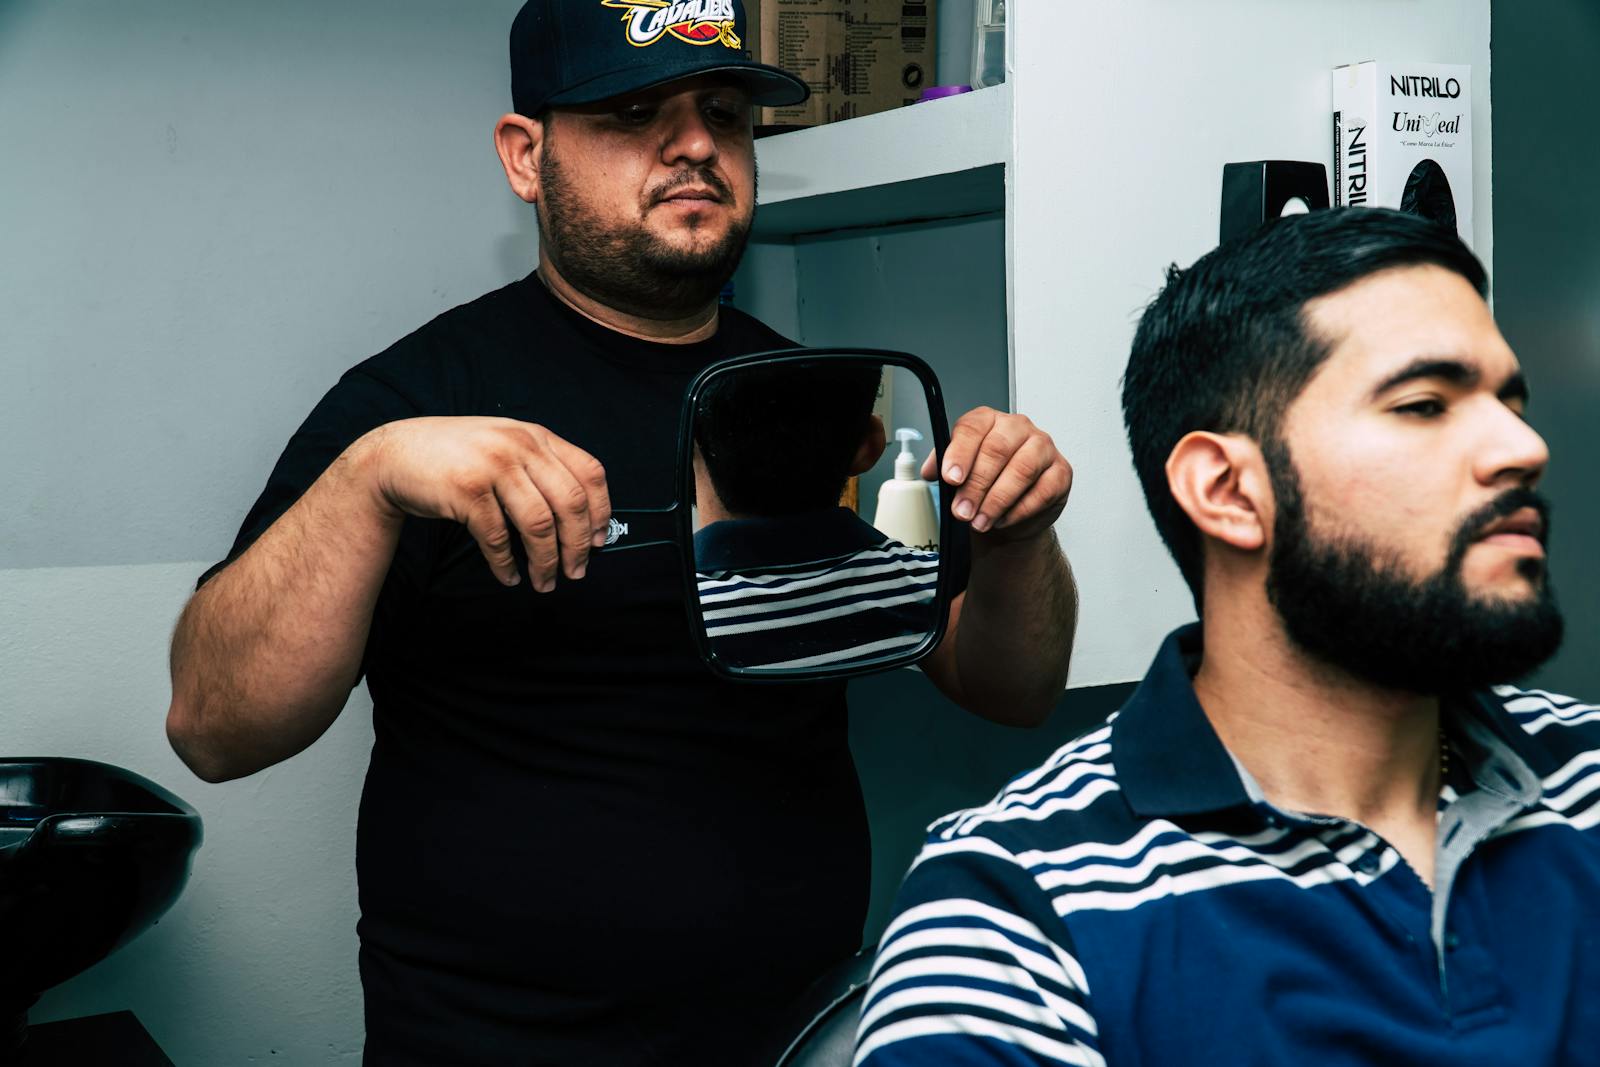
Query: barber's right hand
(480, 470)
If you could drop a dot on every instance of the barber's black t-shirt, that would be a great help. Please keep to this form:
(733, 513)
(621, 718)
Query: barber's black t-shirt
(575, 844)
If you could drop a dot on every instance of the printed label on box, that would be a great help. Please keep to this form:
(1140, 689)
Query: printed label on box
(1403, 139)
(858, 56)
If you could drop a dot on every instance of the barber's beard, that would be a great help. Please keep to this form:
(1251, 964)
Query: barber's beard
(623, 265)
(1352, 605)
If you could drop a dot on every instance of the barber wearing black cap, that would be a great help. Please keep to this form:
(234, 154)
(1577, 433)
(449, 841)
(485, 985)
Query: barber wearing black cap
(575, 845)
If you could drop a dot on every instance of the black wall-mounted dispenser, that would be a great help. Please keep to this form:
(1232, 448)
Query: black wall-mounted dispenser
(1254, 193)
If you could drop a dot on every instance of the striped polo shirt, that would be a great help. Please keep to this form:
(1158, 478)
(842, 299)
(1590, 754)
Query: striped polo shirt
(817, 589)
(1136, 902)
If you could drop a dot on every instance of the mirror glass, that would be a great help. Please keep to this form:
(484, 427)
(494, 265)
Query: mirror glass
(816, 537)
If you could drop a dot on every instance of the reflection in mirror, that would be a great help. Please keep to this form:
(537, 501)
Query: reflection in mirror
(816, 544)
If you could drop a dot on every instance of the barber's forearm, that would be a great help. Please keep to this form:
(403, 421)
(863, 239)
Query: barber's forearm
(265, 653)
(1018, 620)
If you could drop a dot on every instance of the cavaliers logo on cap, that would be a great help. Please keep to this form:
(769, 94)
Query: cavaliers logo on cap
(690, 21)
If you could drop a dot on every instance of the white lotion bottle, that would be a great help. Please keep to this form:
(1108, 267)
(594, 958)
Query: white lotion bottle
(905, 507)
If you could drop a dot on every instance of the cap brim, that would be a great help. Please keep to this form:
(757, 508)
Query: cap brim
(768, 86)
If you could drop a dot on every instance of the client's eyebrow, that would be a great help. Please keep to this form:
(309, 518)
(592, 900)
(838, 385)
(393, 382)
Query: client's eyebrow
(1454, 371)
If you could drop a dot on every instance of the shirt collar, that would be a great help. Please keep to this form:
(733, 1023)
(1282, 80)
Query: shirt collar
(1495, 734)
(1170, 762)
(625, 350)
(741, 544)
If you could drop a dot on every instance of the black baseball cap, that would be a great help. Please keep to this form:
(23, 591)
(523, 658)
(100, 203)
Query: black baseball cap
(583, 51)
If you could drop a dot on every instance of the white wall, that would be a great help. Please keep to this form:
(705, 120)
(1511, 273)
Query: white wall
(207, 212)
(1125, 114)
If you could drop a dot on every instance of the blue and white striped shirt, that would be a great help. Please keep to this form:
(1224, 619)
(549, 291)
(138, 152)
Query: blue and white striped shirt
(1135, 902)
(819, 589)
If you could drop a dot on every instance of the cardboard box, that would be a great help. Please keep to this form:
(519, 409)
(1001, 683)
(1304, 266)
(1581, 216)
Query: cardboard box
(858, 56)
(1402, 138)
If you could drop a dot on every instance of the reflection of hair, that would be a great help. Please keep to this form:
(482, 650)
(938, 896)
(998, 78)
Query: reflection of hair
(1427, 193)
(779, 440)
(1224, 347)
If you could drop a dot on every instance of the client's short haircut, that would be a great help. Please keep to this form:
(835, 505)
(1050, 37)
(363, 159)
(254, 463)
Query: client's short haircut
(1225, 346)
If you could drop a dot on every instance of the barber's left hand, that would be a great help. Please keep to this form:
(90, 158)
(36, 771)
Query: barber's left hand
(1012, 483)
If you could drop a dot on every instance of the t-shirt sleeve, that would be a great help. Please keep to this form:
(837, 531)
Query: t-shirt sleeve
(975, 970)
(358, 403)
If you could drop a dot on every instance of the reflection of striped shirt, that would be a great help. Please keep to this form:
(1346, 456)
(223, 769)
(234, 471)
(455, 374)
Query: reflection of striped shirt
(815, 590)
(1136, 901)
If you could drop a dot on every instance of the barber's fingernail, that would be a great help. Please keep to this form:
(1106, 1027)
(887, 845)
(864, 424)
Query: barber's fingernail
(580, 570)
(546, 585)
(952, 474)
(981, 523)
(599, 539)
(514, 579)
(964, 509)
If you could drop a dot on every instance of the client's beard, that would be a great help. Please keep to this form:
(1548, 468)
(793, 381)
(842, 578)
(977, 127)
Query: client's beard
(1347, 604)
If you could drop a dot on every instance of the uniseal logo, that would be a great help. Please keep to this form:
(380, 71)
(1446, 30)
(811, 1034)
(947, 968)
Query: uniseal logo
(615, 532)
(690, 21)
(1427, 125)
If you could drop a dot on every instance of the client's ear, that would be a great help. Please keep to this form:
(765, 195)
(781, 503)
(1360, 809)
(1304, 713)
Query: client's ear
(871, 449)
(1220, 481)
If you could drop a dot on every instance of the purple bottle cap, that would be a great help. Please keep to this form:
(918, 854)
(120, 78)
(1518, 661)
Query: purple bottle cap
(934, 92)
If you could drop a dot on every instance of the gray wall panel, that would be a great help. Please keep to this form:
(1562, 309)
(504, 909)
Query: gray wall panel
(1547, 285)
(936, 290)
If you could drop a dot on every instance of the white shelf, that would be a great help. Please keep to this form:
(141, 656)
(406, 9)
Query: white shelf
(939, 159)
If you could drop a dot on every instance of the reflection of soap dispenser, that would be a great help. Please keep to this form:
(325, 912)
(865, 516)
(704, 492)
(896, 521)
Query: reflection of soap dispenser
(905, 508)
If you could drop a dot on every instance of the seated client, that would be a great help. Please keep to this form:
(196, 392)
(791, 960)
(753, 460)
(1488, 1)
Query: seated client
(1323, 829)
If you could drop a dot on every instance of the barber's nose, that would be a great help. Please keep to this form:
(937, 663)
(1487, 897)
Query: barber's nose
(1513, 451)
(689, 140)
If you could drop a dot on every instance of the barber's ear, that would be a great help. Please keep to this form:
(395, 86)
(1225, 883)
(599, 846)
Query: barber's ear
(519, 140)
(871, 449)
(1220, 481)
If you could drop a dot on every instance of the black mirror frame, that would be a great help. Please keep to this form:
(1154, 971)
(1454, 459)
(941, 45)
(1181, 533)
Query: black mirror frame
(680, 513)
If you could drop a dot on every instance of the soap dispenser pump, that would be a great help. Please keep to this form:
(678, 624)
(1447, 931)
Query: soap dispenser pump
(905, 507)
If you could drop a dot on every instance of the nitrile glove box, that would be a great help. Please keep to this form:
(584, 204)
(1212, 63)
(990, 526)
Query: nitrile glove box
(1402, 138)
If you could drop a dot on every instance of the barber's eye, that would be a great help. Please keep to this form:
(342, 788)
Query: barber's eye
(723, 113)
(635, 114)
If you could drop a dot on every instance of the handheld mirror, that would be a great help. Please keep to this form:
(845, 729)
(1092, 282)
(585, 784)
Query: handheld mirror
(809, 539)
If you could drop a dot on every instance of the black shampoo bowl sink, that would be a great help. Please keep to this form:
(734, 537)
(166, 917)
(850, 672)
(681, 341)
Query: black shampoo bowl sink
(90, 856)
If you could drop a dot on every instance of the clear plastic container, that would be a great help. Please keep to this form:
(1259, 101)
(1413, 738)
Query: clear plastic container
(989, 43)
